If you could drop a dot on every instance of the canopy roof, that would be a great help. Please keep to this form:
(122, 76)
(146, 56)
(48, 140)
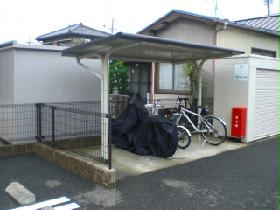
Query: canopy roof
(134, 47)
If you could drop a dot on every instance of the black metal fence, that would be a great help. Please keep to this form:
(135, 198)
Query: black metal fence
(73, 126)
(77, 130)
(18, 123)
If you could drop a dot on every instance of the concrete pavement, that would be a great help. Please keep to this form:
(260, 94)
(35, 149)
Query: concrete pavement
(127, 163)
(247, 178)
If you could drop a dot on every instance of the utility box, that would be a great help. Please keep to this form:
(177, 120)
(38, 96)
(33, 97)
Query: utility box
(238, 122)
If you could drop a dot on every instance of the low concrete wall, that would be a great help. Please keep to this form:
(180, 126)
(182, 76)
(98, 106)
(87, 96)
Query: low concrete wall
(88, 169)
(77, 142)
(15, 150)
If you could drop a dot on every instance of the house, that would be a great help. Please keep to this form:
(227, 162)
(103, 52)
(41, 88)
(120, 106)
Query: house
(72, 35)
(257, 37)
(189, 27)
(200, 29)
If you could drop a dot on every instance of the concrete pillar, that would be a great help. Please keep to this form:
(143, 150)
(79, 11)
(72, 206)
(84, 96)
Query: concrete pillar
(152, 80)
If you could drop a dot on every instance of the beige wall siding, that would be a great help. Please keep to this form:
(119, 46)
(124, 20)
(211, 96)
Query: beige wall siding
(189, 31)
(198, 33)
(245, 40)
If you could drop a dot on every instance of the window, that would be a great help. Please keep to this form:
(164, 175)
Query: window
(268, 53)
(171, 78)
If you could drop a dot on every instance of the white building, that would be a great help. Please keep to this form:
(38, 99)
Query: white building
(38, 73)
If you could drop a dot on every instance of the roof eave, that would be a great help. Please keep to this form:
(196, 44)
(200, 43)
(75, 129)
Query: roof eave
(248, 28)
(86, 50)
(69, 35)
(199, 18)
(179, 14)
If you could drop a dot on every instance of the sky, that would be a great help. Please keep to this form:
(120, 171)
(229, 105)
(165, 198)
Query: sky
(24, 20)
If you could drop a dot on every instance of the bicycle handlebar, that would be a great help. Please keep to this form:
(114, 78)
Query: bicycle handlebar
(188, 111)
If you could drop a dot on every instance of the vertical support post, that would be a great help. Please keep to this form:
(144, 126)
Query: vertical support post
(199, 69)
(109, 116)
(199, 87)
(53, 125)
(104, 105)
(198, 66)
(152, 81)
(38, 122)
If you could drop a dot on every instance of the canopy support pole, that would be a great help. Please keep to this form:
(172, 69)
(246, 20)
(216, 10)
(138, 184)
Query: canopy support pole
(105, 97)
(198, 66)
(104, 105)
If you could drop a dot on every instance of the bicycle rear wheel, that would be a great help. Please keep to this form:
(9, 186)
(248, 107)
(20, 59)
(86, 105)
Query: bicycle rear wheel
(214, 131)
(184, 137)
(183, 122)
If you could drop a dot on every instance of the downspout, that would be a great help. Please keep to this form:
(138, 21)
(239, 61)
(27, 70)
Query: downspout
(88, 69)
(216, 30)
(103, 76)
(104, 97)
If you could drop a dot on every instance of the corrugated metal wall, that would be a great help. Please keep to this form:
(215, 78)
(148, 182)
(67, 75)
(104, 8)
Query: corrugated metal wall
(244, 40)
(267, 103)
(46, 76)
(6, 76)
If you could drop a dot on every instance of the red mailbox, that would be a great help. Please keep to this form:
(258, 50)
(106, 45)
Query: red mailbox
(238, 122)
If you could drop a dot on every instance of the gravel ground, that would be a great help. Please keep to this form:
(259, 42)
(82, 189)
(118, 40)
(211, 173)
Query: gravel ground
(247, 178)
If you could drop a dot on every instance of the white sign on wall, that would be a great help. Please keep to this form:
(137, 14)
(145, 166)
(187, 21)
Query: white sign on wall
(241, 72)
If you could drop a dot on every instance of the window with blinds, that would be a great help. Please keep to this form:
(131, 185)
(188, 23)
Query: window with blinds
(171, 78)
(263, 52)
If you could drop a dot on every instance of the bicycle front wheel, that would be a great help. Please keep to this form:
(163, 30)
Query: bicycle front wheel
(214, 131)
(184, 137)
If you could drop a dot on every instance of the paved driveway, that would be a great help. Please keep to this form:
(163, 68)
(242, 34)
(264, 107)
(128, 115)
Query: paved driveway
(247, 178)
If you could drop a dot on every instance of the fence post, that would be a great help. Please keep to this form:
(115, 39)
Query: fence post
(53, 125)
(109, 116)
(38, 136)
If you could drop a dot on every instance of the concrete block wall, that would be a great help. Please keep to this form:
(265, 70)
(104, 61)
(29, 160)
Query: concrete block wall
(86, 168)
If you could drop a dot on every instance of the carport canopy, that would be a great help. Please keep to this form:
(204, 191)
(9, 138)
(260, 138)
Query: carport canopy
(134, 47)
(142, 48)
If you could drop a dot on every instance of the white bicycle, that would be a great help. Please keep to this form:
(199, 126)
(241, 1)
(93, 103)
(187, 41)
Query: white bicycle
(212, 128)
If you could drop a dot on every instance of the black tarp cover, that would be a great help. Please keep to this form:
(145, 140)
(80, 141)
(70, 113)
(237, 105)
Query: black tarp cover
(135, 130)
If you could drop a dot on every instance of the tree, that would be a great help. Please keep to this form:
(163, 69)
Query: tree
(118, 76)
(189, 71)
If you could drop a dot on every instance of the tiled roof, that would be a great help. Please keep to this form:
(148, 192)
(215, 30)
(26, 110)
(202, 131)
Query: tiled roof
(270, 23)
(74, 30)
(173, 14)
